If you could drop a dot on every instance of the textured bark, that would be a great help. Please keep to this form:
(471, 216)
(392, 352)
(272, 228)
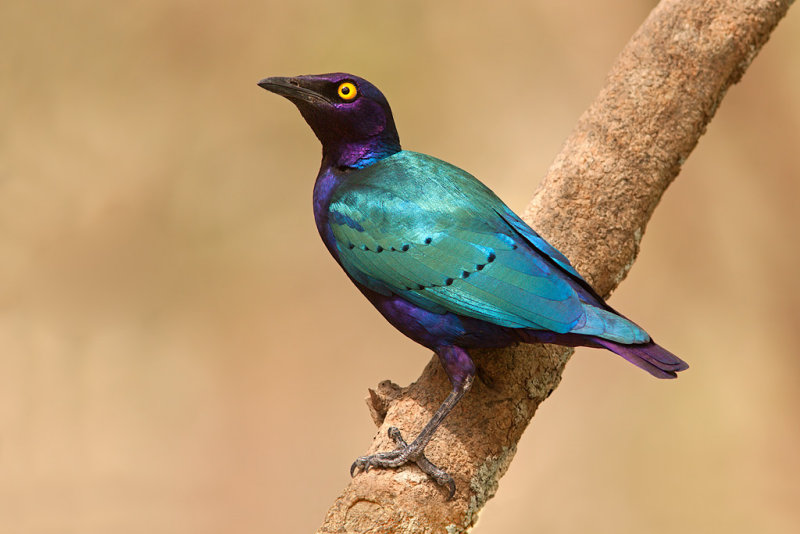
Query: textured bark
(593, 205)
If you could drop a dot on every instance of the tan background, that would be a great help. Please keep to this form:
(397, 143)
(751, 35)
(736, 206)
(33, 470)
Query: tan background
(178, 353)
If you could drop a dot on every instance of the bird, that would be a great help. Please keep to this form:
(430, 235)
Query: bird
(440, 256)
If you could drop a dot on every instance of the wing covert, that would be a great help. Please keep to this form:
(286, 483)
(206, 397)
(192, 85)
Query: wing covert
(431, 233)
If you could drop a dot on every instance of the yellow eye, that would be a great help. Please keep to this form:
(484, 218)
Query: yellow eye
(347, 91)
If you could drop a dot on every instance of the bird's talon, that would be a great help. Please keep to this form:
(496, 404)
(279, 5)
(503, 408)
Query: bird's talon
(394, 435)
(451, 485)
(397, 437)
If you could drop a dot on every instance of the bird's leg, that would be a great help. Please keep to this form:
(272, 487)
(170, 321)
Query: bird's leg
(414, 452)
(461, 370)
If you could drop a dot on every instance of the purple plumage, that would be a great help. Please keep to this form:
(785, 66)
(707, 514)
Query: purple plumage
(651, 357)
(440, 255)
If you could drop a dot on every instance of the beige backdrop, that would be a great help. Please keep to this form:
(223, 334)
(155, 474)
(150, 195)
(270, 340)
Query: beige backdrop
(178, 353)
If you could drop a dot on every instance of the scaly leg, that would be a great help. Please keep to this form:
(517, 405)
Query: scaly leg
(461, 371)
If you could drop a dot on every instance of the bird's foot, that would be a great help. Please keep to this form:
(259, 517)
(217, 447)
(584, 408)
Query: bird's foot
(403, 454)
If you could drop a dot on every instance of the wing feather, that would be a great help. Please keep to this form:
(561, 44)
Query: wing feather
(418, 227)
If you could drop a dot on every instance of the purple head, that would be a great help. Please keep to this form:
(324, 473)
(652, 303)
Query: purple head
(349, 116)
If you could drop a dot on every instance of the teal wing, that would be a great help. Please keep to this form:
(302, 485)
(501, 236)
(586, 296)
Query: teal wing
(420, 228)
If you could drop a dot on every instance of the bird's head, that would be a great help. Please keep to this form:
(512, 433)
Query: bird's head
(349, 115)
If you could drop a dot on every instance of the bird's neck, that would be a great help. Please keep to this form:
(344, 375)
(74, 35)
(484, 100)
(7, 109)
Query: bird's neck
(328, 179)
(357, 155)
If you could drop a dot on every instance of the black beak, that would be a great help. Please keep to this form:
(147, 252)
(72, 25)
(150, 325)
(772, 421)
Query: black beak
(295, 89)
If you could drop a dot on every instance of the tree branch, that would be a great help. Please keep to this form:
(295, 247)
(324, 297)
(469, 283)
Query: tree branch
(593, 205)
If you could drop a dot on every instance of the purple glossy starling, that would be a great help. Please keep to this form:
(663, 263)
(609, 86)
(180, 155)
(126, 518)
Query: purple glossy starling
(440, 255)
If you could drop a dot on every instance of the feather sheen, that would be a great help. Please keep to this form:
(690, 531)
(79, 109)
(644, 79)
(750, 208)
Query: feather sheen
(416, 226)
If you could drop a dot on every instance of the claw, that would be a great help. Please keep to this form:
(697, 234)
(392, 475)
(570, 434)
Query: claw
(440, 476)
(402, 455)
(414, 453)
(394, 433)
(451, 484)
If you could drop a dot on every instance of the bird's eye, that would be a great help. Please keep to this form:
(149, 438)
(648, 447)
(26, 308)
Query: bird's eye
(347, 91)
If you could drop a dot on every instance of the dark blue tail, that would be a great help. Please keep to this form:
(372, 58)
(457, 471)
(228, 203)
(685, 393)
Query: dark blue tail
(654, 359)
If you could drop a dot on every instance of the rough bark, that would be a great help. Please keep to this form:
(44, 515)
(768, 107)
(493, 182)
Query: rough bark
(593, 205)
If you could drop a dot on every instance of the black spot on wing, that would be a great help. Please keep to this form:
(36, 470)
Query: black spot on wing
(379, 248)
(464, 274)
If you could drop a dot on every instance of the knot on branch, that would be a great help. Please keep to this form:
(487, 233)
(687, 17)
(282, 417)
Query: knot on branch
(379, 401)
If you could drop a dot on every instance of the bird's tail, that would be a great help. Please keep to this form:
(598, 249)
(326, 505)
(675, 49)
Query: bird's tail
(653, 358)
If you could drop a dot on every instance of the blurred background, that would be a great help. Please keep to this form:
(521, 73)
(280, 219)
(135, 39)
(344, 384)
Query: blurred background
(179, 354)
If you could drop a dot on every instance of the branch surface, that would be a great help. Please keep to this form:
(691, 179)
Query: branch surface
(593, 205)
